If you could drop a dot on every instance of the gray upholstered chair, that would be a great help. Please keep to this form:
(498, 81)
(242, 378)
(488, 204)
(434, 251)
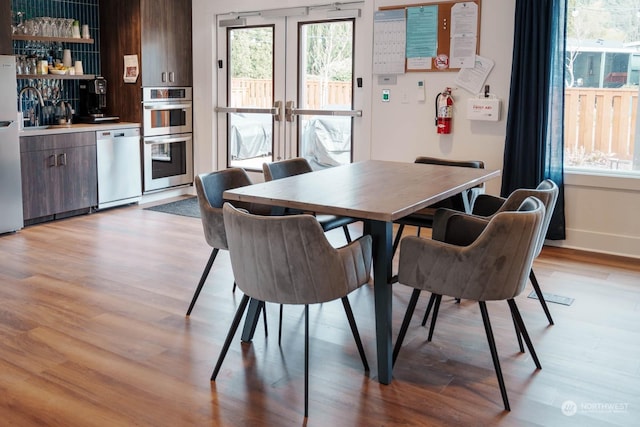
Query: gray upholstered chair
(209, 189)
(461, 202)
(288, 260)
(547, 191)
(494, 266)
(297, 166)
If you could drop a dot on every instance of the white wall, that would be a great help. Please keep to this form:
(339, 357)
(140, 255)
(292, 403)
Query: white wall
(402, 131)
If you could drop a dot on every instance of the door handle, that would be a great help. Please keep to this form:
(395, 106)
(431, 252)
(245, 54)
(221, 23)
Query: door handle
(164, 106)
(292, 111)
(62, 159)
(273, 111)
(278, 116)
(289, 111)
(167, 140)
(53, 161)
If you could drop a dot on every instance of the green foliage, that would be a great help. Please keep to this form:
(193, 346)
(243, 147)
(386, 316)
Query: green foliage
(329, 50)
(251, 52)
(617, 20)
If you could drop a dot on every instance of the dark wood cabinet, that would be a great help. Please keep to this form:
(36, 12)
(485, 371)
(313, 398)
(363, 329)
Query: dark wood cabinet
(59, 174)
(166, 43)
(159, 32)
(6, 44)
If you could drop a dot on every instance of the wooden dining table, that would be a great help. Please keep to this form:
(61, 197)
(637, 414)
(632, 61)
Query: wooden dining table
(378, 192)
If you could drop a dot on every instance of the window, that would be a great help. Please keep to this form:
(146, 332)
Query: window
(601, 87)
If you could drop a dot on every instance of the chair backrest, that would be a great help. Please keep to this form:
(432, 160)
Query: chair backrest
(495, 266)
(288, 259)
(454, 202)
(285, 168)
(547, 191)
(209, 189)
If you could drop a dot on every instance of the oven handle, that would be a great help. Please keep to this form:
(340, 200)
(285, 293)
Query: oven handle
(166, 106)
(166, 140)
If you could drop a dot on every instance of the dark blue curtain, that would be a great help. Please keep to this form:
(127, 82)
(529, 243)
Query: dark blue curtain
(534, 142)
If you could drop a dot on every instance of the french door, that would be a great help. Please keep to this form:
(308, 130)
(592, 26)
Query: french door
(286, 88)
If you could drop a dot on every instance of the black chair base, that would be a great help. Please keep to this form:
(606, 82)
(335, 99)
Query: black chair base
(236, 322)
(203, 279)
(435, 302)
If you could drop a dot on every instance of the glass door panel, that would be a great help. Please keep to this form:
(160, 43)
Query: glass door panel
(287, 89)
(250, 96)
(325, 89)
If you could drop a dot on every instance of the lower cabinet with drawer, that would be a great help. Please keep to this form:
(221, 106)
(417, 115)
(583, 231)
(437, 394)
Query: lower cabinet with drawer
(59, 175)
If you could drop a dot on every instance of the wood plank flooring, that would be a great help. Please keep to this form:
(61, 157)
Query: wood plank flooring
(93, 333)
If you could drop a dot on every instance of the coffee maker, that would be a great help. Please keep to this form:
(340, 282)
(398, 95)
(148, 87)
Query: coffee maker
(93, 101)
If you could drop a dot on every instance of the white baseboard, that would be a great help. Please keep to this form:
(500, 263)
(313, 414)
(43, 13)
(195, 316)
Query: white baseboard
(166, 194)
(612, 244)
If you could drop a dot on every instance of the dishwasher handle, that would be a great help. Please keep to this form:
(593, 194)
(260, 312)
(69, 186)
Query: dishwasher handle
(118, 133)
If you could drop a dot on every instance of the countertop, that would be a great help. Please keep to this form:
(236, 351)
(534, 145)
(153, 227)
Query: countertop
(76, 127)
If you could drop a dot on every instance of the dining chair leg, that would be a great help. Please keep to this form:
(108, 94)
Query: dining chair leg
(306, 360)
(543, 303)
(280, 326)
(354, 331)
(494, 353)
(434, 316)
(347, 234)
(263, 307)
(518, 335)
(396, 241)
(232, 331)
(432, 299)
(523, 330)
(405, 324)
(203, 278)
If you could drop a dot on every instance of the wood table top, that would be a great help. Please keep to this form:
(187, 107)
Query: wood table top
(372, 189)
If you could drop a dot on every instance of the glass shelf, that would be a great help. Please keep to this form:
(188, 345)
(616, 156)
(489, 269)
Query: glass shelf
(55, 76)
(51, 39)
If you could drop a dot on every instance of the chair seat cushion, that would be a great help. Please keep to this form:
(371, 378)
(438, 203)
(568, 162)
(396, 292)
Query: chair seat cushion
(421, 218)
(329, 222)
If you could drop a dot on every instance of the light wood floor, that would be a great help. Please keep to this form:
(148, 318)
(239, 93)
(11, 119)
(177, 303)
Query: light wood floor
(93, 333)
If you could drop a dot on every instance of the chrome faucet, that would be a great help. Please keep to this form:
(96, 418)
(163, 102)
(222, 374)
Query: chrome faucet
(27, 89)
(40, 101)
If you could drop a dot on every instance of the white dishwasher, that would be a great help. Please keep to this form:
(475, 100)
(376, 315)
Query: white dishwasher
(119, 167)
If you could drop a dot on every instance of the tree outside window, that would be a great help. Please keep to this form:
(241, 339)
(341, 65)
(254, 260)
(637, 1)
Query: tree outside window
(601, 85)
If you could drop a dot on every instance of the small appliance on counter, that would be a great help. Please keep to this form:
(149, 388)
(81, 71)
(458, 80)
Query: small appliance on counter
(93, 102)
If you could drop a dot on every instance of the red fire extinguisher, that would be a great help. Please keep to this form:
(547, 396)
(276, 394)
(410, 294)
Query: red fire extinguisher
(444, 111)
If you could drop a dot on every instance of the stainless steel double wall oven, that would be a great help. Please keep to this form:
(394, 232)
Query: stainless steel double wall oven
(168, 137)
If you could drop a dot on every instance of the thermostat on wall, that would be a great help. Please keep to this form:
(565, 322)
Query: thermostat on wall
(483, 108)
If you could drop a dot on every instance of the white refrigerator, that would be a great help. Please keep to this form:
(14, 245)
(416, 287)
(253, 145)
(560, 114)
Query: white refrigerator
(10, 180)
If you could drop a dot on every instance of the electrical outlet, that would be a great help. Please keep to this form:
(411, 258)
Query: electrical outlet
(385, 95)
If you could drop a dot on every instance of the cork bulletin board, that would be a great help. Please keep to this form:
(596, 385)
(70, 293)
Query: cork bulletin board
(440, 36)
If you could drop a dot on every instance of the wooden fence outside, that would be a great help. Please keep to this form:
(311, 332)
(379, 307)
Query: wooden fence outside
(600, 123)
(258, 93)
